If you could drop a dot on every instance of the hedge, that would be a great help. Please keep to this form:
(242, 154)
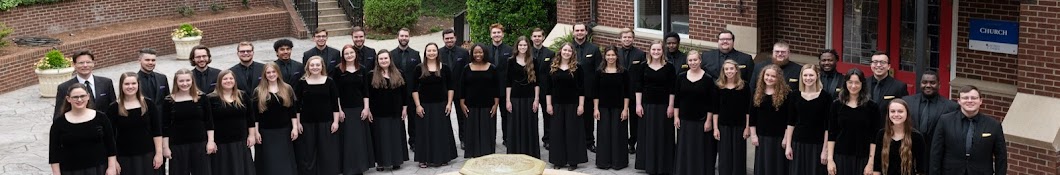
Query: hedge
(10, 4)
(391, 15)
(519, 18)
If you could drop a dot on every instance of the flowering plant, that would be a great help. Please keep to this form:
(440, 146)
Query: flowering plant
(186, 30)
(54, 59)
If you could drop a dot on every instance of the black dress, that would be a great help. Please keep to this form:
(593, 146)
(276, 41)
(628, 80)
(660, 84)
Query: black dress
(477, 88)
(611, 129)
(770, 123)
(852, 130)
(275, 154)
(317, 148)
(567, 140)
(655, 155)
(185, 123)
(894, 161)
(81, 148)
(435, 142)
(134, 137)
(388, 129)
(356, 133)
(733, 106)
(522, 119)
(232, 156)
(696, 149)
(810, 121)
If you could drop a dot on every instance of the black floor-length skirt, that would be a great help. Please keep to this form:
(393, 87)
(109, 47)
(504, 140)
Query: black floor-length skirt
(96, 170)
(232, 159)
(696, 150)
(567, 140)
(655, 153)
(849, 164)
(388, 137)
(769, 156)
(275, 154)
(435, 143)
(522, 126)
(356, 143)
(317, 149)
(807, 159)
(481, 133)
(189, 159)
(732, 151)
(138, 164)
(611, 151)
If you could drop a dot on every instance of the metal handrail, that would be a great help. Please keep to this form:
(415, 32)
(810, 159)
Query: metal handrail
(310, 13)
(354, 11)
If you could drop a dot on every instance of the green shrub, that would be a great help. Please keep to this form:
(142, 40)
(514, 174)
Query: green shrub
(216, 7)
(380, 14)
(10, 4)
(54, 59)
(4, 32)
(519, 18)
(442, 8)
(567, 38)
(185, 11)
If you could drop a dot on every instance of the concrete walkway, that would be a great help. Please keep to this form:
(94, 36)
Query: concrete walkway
(26, 116)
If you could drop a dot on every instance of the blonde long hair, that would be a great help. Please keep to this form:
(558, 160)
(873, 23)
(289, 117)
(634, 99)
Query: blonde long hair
(378, 81)
(234, 93)
(781, 89)
(193, 91)
(817, 85)
(572, 62)
(662, 58)
(285, 92)
(906, 148)
(722, 80)
(121, 96)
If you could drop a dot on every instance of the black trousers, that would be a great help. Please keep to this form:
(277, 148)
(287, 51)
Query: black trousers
(634, 123)
(547, 117)
(412, 121)
(461, 121)
(590, 123)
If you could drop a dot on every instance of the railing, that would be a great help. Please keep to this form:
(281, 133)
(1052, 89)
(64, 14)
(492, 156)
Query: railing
(308, 10)
(354, 11)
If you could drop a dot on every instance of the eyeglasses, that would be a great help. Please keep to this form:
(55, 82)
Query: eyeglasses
(246, 51)
(85, 63)
(879, 62)
(204, 56)
(969, 98)
(724, 39)
(79, 97)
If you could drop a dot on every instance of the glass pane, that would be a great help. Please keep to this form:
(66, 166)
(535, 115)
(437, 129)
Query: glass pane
(649, 14)
(679, 16)
(908, 35)
(859, 30)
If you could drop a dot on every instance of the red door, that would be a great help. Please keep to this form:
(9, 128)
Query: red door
(863, 26)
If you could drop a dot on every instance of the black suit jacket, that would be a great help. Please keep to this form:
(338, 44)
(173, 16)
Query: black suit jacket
(104, 94)
(206, 81)
(159, 91)
(712, 61)
(457, 58)
(543, 63)
(366, 55)
(925, 112)
(987, 155)
(885, 90)
(498, 56)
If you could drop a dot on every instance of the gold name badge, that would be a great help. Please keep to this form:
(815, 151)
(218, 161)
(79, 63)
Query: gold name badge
(888, 97)
(793, 80)
(636, 62)
(685, 66)
(742, 66)
(986, 135)
(589, 55)
(547, 58)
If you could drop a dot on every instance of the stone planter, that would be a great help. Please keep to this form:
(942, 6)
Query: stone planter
(184, 45)
(51, 78)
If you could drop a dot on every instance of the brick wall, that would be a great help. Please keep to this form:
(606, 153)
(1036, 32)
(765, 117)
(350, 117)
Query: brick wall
(709, 17)
(1039, 51)
(572, 11)
(994, 104)
(616, 13)
(981, 65)
(1031, 160)
(71, 15)
(803, 24)
(117, 48)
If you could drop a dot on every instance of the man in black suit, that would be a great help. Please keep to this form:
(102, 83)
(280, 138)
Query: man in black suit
(365, 54)
(882, 86)
(499, 53)
(205, 76)
(630, 56)
(674, 55)
(926, 107)
(968, 142)
(543, 58)
(101, 89)
(331, 55)
(290, 70)
(153, 85)
(781, 51)
(589, 58)
(712, 60)
(247, 72)
(406, 59)
(831, 80)
(456, 58)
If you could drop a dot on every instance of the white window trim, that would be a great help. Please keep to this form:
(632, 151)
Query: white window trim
(636, 22)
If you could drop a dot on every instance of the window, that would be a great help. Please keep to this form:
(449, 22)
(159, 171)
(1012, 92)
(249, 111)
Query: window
(649, 15)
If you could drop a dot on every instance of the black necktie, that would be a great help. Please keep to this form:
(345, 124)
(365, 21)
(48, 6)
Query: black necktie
(88, 88)
(968, 137)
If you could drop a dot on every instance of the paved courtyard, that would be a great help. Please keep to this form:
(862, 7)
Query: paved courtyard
(26, 116)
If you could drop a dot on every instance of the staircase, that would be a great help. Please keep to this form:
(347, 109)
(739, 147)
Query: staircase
(332, 18)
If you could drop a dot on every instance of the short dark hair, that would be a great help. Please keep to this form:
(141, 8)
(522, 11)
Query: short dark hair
(967, 89)
(831, 51)
(147, 51)
(321, 30)
(729, 32)
(83, 53)
(879, 52)
(356, 29)
(191, 56)
(930, 72)
(673, 35)
(448, 31)
(282, 42)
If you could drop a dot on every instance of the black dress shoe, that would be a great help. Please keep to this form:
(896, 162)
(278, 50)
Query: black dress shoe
(591, 148)
(572, 167)
(546, 146)
(632, 150)
(462, 146)
(379, 169)
(556, 167)
(603, 167)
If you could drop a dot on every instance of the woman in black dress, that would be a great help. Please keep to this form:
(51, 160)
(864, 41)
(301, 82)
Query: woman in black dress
(564, 101)
(654, 88)
(611, 112)
(81, 142)
(386, 100)
(730, 122)
(188, 130)
(317, 146)
(522, 92)
(853, 122)
(432, 93)
(352, 82)
(693, 109)
(769, 115)
(274, 103)
(806, 129)
(138, 136)
(480, 107)
(905, 149)
(235, 128)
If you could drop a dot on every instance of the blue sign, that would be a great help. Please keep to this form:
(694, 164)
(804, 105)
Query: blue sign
(993, 35)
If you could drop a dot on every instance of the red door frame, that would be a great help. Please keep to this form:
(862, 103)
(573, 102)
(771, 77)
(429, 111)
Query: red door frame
(890, 19)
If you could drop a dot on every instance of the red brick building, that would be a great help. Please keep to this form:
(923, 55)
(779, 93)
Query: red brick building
(1021, 88)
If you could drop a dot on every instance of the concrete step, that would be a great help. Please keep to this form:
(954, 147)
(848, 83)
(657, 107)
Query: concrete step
(328, 4)
(339, 31)
(332, 18)
(334, 25)
(330, 11)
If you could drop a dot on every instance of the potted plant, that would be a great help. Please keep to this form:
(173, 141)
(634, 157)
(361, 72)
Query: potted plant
(185, 37)
(52, 70)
